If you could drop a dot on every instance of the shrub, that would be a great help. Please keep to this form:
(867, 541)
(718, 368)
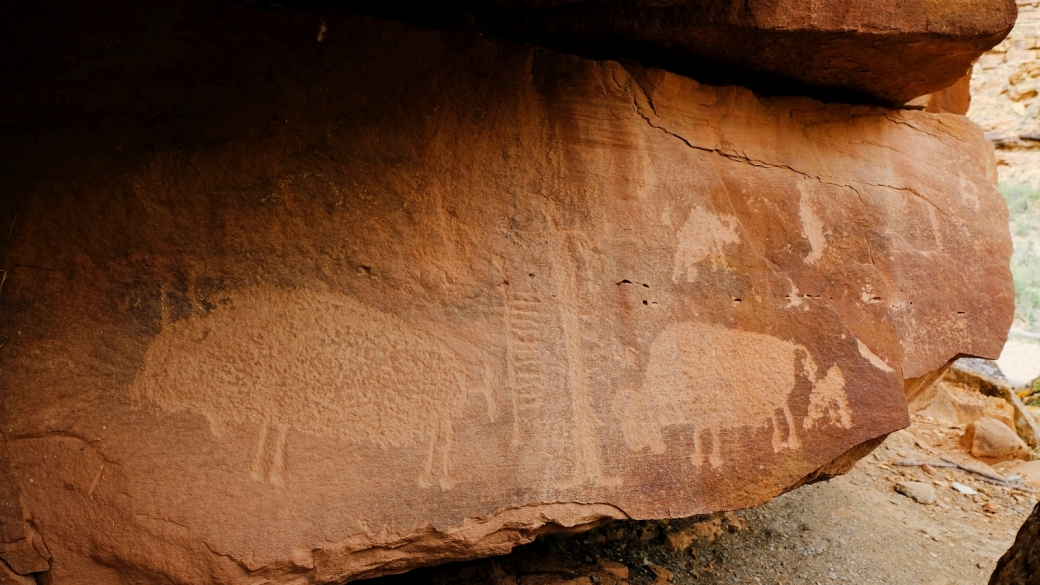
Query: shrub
(1024, 209)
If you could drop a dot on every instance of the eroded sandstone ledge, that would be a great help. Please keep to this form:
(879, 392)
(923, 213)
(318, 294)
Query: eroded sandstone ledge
(879, 51)
(402, 297)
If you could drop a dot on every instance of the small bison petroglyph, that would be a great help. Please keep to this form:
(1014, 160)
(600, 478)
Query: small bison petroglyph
(716, 379)
(701, 238)
(319, 363)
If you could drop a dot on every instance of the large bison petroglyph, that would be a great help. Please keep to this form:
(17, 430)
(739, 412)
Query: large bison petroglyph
(319, 363)
(715, 379)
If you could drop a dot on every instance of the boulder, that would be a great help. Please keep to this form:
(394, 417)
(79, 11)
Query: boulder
(287, 310)
(991, 439)
(980, 376)
(880, 50)
(955, 406)
(1020, 565)
(1030, 472)
(920, 492)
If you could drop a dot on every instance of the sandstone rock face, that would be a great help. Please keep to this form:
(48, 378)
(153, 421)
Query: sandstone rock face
(398, 297)
(879, 50)
(1020, 565)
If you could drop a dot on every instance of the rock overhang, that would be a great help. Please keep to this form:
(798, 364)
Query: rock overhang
(542, 256)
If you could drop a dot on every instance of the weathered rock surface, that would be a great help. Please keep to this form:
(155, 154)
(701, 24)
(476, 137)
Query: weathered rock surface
(879, 50)
(282, 310)
(1020, 565)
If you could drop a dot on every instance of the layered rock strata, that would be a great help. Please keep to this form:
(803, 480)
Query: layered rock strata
(286, 310)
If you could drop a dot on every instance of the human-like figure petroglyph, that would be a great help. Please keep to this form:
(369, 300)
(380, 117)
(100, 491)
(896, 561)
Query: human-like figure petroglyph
(812, 225)
(717, 379)
(330, 365)
(701, 238)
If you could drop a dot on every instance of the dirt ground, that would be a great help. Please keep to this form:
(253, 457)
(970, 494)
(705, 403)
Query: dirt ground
(852, 529)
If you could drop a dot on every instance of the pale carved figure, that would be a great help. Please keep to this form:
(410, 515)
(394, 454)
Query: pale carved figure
(318, 363)
(716, 379)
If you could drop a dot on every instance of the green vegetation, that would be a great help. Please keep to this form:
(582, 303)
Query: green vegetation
(1024, 207)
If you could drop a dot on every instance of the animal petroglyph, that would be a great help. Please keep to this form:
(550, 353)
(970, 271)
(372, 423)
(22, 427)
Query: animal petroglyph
(330, 366)
(715, 379)
(829, 401)
(702, 237)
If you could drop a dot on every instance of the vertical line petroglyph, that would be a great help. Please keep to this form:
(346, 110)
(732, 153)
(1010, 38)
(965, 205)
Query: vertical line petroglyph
(585, 438)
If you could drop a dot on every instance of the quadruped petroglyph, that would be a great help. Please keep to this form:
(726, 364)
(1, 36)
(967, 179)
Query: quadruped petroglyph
(318, 363)
(716, 379)
(701, 238)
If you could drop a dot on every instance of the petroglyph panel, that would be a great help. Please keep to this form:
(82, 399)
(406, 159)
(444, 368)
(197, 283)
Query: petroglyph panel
(528, 330)
(565, 289)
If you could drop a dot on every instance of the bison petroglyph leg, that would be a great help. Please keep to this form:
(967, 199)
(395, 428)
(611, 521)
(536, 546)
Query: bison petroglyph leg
(269, 461)
(715, 459)
(778, 438)
(698, 449)
(275, 473)
(792, 435)
(258, 458)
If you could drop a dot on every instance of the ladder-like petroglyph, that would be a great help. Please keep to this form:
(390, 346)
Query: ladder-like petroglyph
(546, 354)
(528, 327)
(318, 363)
(716, 379)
